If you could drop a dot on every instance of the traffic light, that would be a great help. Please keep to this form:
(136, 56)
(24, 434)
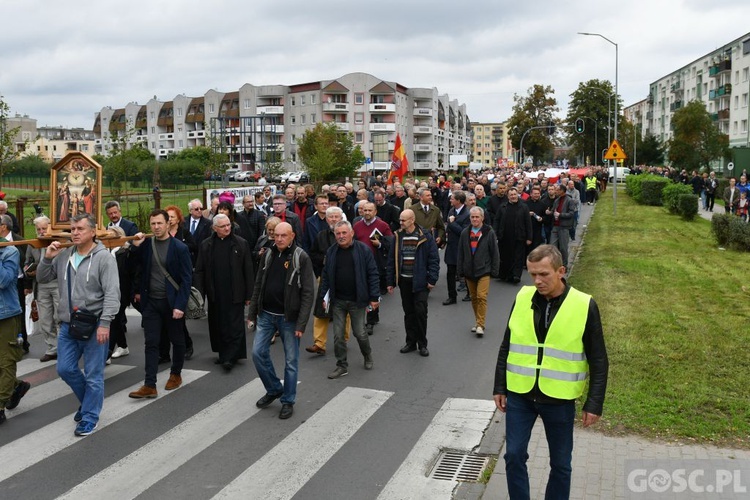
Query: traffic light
(579, 126)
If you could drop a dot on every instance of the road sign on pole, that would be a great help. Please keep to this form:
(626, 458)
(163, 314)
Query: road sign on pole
(615, 152)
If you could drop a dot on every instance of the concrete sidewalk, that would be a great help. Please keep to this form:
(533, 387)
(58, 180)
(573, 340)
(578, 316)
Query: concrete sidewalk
(599, 468)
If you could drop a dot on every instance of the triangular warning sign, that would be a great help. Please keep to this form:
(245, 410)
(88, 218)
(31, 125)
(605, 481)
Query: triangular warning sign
(615, 152)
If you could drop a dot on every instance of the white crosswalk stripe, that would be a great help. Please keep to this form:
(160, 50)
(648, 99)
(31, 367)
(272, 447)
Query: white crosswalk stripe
(174, 448)
(48, 440)
(55, 389)
(458, 425)
(30, 365)
(312, 444)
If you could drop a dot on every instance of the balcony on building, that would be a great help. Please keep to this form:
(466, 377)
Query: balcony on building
(336, 107)
(714, 116)
(725, 89)
(422, 130)
(344, 126)
(422, 165)
(423, 112)
(675, 106)
(382, 127)
(676, 87)
(422, 146)
(166, 151)
(274, 129)
(723, 114)
(196, 134)
(269, 110)
(382, 107)
(166, 137)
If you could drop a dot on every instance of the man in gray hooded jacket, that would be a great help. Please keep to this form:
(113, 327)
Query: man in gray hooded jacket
(88, 281)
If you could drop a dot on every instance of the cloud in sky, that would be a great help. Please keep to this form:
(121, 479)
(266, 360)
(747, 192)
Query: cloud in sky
(63, 61)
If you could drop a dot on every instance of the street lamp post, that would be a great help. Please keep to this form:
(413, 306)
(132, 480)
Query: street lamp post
(617, 111)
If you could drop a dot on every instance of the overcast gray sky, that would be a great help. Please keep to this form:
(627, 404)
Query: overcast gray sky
(60, 62)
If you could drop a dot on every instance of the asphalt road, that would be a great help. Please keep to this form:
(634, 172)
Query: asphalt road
(346, 439)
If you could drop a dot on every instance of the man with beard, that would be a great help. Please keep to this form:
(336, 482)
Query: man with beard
(224, 273)
(513, 228)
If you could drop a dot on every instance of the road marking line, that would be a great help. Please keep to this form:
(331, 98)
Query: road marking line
(460, 425)
(55, 389)
(171, 450)
(38, 445)
(285, 469)
(29, 365)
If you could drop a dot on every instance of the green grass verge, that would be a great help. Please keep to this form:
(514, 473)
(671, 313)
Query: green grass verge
(675, 316)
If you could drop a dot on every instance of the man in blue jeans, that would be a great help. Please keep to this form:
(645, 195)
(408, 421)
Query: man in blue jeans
(87, 279)
(282, 305)
(553, 341)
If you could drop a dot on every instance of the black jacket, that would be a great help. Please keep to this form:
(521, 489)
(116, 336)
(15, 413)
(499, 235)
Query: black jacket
(485, 261)
(522, 222)
(453, 232)
(593, 346)
(241, 264)
(299, 290)
(366, 276)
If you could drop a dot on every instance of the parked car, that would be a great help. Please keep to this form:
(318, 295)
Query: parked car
(243, 176)
(231, 173)
(622, 172)
(298, 177)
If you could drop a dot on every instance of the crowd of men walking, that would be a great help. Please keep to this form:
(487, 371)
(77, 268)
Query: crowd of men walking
(283, 257)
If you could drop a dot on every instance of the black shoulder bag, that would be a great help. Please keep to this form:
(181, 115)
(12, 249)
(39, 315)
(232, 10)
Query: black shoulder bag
(83, 323)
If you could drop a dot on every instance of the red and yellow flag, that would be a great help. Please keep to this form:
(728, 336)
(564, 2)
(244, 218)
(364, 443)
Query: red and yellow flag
(399, 163)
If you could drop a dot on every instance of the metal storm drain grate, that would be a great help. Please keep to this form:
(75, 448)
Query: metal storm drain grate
(455, 465)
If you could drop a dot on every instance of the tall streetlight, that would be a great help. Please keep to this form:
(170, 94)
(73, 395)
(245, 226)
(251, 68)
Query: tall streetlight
(617, 111)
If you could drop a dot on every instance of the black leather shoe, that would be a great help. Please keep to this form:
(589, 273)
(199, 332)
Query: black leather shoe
(408, 348)
(449, 301)
(424, 352)
(467, 298)
(227, 365)
(286, 411)
(20, 391)
(2, 416)
(189, 353)
(266, 400)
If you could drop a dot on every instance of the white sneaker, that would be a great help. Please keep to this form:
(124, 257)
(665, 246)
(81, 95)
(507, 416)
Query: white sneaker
(480, 331)
(108, 362)
(120, 352)
(474, 329)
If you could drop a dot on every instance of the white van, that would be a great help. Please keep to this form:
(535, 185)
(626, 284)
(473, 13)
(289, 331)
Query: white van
(622, 172)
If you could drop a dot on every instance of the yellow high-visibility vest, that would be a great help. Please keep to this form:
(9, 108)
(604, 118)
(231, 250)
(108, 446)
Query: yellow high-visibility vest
(590, 183)
(563, 370)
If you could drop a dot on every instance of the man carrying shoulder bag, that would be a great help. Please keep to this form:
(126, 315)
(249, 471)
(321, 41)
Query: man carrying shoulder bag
(89, 288)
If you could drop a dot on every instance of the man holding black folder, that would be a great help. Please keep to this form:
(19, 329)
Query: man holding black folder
(377, 235)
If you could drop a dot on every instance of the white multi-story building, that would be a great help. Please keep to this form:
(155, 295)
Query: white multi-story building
(719, 79)
(49, 143)
(257, 125)
(490, 143)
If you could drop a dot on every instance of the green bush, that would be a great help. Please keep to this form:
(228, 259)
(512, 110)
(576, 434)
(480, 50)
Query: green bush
(651, 190)
(687, 205)
(671, 196)
(731, 232)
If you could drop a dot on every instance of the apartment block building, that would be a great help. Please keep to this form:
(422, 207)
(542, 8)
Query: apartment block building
(719, 79)
(49, 143)
(490, 143)
(257, 125)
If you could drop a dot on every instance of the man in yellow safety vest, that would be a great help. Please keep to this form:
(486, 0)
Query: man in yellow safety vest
(552, 343)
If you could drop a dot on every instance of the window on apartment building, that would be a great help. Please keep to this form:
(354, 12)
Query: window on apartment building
(294, 120)
(744, 100)
(705, 88)
(179, 111)
(181, 144)
(302, 100)
(84, 147)
(211, 108)
(737, 76)
(293, 101)
(359, 118)
(302, 118)
(247, 103)
(152, 115)
(734, 128)
(312, 98)
(294, 138)
(39, 148)
(359, 137)
(313, 118)
(359, 98)
(153, 130)
(743, 127)
(745, 72)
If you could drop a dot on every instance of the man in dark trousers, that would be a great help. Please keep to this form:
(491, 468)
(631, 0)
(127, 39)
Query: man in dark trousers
(512, 225)
(458, 220)
(350, 284)
(224, 273)
(165, 281)
(413, 266)
(552, 343)
(281, 305)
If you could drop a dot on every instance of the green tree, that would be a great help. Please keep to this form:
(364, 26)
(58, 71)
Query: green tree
(537, 108)
(8, 152)
(124, 165)
(31, 165)
(696, 141)
(590, 103)
(650, 151)
(329, 153)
